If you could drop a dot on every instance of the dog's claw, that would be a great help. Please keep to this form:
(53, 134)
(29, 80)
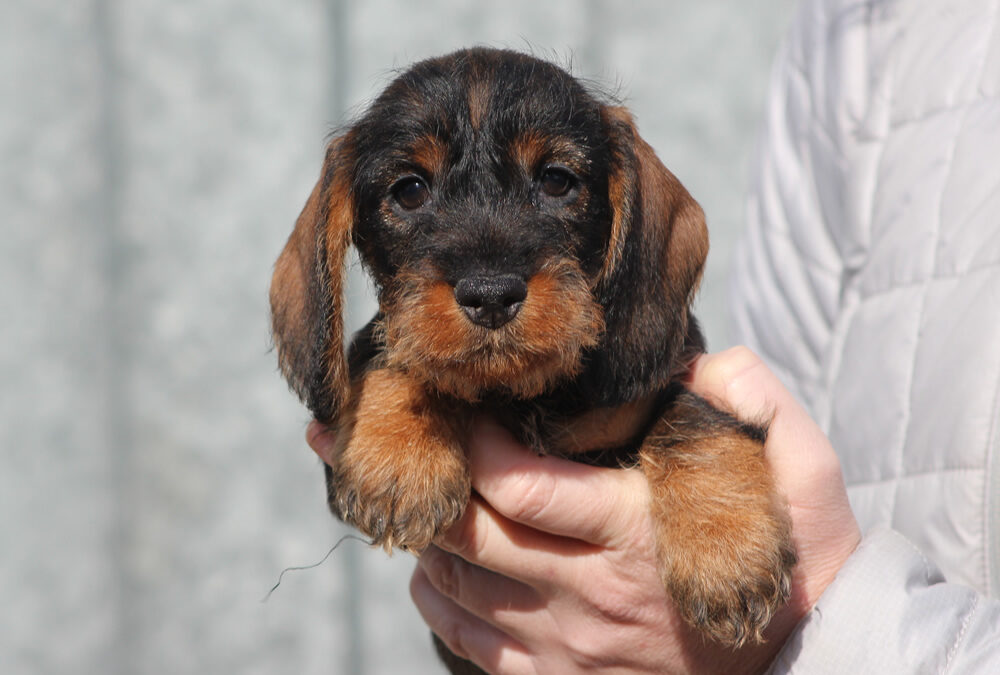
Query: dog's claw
(735, 610)
(404, 518)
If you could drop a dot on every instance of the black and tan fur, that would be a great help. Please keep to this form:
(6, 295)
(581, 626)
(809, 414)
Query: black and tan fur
(534, 260)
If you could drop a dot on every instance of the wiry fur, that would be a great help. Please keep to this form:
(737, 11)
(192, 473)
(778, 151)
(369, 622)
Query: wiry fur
(456, 174)
(427, 335)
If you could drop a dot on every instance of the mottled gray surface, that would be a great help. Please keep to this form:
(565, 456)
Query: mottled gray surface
(153, 477)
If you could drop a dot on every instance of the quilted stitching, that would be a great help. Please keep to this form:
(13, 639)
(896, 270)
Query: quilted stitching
(879, 179)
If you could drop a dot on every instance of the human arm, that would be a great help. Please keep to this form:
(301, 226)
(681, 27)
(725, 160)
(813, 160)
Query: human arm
(891, 611)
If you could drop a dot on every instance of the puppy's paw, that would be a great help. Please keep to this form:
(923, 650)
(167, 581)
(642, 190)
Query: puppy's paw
(399, 471)
(723, 532)
(403, 507)
(730, 594)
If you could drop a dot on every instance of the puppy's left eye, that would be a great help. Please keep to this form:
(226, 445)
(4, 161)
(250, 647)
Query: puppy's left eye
(411, 192)
(557, 182)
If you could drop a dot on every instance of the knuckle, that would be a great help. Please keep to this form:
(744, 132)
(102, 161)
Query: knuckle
(452, 634)
(442, 570)
(531, 494)
(467, 538)
(618, 605)
(589, 649)
(444, 575)
(596, 636)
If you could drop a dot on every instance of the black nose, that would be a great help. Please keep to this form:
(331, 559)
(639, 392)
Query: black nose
(491, 301)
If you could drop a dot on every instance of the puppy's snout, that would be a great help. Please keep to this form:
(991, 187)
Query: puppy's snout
(491, 301)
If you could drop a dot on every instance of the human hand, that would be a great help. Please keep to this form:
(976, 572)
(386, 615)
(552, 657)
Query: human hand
(552, 567)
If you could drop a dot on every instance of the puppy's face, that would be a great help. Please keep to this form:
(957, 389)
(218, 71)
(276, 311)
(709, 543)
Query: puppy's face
(518, 230)
(483, 215)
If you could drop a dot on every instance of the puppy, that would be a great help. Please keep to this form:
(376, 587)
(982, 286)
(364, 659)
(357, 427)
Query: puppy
(534, 260)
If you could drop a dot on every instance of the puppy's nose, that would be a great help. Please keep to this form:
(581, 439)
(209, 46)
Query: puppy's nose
(491, 301)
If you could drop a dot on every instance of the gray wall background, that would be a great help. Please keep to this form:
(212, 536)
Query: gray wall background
(154, 479)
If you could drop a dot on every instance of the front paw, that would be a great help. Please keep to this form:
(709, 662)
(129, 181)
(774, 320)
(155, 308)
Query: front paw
(722, 531)
(400, 509)
(730, 592)
(399, 470)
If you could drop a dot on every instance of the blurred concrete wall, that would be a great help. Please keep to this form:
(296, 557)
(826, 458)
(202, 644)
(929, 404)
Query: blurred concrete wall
(153, 479)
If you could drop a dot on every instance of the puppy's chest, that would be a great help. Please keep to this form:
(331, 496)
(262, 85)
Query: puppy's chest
(553, 424)
(598, 436)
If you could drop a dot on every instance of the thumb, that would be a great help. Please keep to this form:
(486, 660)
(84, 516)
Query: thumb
(546, 493)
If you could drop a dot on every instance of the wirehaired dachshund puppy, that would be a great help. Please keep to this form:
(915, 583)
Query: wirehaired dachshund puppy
(535, 261)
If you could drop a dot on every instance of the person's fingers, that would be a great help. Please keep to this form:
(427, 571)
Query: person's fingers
(520, 552)
(321, 439)
(558, 496)
(465, 634)
(723, 374)
(499, 600)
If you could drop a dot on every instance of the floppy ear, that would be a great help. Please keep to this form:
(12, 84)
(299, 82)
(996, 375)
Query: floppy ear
(656, 252)
(307, 291)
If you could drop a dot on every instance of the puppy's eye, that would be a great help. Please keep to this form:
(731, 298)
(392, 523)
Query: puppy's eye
(557, 182)
(411, 192)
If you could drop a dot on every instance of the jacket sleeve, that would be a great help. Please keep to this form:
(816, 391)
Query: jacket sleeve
(890, 611)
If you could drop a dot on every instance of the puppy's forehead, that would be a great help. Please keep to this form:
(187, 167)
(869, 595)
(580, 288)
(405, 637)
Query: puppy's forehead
(496, 94)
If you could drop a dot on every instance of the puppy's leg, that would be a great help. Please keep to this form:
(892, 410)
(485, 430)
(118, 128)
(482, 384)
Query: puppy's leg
(723, 533)
(399, 473)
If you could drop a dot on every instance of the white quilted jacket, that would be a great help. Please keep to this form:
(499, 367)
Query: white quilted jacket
(869, 279)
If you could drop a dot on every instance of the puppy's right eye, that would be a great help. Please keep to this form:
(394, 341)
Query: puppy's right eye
(411, 192)
(557, 181)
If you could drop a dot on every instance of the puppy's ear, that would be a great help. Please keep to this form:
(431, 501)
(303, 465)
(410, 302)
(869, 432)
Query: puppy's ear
(307, 290)
(656, 253)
